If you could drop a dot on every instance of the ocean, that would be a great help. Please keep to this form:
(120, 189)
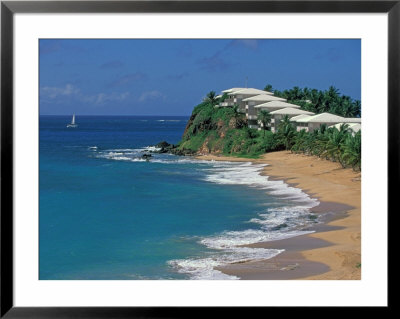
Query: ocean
(107, 214)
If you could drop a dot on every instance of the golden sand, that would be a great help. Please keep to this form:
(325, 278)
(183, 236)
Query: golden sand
(328, 182)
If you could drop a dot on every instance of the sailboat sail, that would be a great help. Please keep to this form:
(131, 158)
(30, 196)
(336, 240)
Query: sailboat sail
(72, 124)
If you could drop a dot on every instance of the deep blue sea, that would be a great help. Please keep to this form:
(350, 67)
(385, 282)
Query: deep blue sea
(105, 213)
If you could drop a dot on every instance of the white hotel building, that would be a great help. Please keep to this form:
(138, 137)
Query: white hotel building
(251, 101)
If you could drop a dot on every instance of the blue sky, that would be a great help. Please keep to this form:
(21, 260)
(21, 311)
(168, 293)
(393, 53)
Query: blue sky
(170, 77)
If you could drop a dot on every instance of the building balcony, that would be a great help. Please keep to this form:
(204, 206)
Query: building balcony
(226, 103)
(251, 117)
(253, 126)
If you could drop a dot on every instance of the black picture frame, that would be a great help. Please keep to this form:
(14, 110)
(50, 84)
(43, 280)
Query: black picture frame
(9, 8)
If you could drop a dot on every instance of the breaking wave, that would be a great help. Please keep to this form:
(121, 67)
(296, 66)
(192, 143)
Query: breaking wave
(274, 223)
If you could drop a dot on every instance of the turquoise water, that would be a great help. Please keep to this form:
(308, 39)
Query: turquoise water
(107, 214)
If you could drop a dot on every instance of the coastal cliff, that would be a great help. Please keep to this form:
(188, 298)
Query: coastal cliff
(217, 130)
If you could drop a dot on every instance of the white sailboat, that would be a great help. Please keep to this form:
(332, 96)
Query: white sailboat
(72, 124)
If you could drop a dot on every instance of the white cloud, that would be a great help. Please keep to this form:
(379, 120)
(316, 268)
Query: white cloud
(151, 95)
(102, 98)
(53, 92)
(70, 91)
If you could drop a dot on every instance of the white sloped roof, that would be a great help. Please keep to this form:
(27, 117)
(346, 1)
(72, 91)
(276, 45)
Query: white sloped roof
(356, 127)
(218, 96)
(291, 111)
(322, 118)
(231, 90)
(251, 91)
(277, 103)
(352, 120)
(264, 97)
(298, 117)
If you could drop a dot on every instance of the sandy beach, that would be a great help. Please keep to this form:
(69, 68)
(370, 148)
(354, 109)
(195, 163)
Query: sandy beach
(334, 250)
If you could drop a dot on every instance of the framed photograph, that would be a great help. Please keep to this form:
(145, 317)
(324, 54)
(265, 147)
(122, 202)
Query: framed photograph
(163, 155)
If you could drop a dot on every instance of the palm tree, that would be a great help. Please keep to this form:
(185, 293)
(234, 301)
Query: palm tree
(236, 112)
(335, 144)
(286, 132)
(319, 104)
(344, 128)
(306, 93)
(352, 150)
(357, 108)
(332, 94)
(264, 117)
(211, 97)
(285, 122)
(300, 142)
(314, 95)
(238, 116)
(223, 97)
(323, 128)
(268, 88)
(320, 138)
(278, 93)
(296, 93)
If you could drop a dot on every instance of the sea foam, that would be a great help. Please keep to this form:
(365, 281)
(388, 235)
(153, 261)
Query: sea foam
(274, 223)
(125, 154)
(204, 268)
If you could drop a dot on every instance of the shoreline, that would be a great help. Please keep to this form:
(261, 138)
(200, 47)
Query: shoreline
(333, 251)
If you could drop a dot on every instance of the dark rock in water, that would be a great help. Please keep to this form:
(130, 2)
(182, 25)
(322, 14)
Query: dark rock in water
(164, 147)
(162, 144)
(146, 156)
(182, 152)
(147, 151)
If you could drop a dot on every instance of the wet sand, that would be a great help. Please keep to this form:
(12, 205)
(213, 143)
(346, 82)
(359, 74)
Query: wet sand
(288, 265)
(334, 250)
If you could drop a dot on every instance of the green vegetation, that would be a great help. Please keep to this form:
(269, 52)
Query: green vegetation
(268, 88)
(320, 101)
(286, 132)
(330, 143)
(211, 97)
(358, 265)
(264, 117)
(223, 130)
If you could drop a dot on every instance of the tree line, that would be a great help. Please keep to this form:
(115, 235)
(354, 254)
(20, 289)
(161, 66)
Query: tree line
(318, 101)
